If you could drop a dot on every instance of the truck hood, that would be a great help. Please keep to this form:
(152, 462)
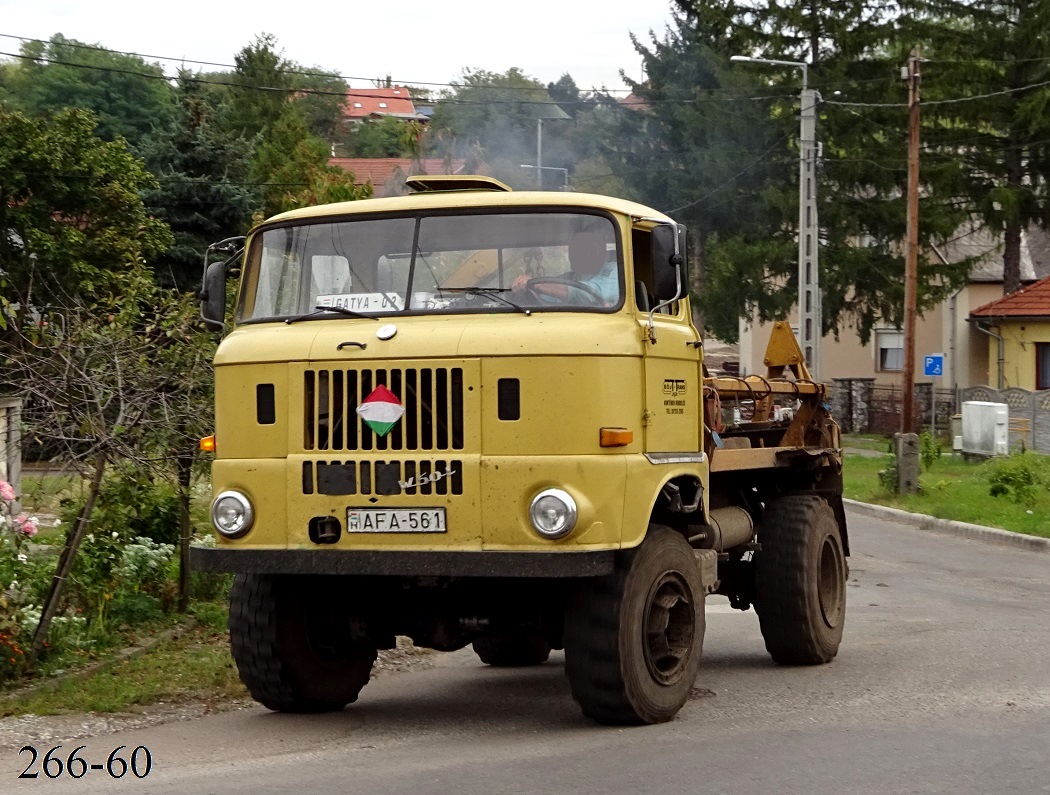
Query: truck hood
(420, 337)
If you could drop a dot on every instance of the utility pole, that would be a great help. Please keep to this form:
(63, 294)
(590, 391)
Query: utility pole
(539, 154)
(810, 317)
(911, 264)
(810, 313)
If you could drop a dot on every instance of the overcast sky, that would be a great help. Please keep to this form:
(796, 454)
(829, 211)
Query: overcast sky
(414, 41)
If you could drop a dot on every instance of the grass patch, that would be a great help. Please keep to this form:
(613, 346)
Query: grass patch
(867, 441)
(958, 490)
(43, 490)
(195, 666)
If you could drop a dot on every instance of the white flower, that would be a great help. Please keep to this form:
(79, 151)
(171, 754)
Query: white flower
(116, 535)
(22, 557)
(90, 536)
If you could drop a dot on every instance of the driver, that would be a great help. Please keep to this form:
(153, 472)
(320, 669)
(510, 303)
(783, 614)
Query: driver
(587, 258)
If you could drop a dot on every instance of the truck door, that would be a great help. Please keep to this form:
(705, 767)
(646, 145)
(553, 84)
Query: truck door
(672, 363)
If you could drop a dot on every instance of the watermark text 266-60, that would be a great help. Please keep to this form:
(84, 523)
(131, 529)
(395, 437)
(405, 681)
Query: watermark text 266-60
(76, 764)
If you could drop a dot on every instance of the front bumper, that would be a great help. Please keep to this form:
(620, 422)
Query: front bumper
(404, 564)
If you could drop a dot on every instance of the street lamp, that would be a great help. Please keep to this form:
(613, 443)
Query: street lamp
(539, 169)
(810, 322)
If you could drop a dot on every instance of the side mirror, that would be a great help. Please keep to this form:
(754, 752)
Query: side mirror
(213, 289)
(213, 296)
(667, 256)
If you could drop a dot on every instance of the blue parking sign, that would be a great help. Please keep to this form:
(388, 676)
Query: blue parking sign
(933, 364)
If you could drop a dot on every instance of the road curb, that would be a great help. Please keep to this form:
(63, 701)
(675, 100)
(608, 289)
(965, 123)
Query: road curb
(990, 535)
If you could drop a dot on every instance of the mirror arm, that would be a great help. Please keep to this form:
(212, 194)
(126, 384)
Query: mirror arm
(650, 332)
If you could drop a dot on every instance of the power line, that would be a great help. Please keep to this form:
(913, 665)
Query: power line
(352, 93)
(301, 72)
(400, 82)
(952, 101)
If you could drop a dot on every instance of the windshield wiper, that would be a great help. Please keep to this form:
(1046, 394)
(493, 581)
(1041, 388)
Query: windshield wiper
(321, 310)
(490, 292)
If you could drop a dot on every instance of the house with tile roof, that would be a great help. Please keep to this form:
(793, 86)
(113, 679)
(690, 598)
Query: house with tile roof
(1017, 329)
(375, 103)
(945, 328)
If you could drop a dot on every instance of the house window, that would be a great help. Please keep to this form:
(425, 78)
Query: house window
(357, 104)
(382, 104)
(1042, 365)
(889, 348)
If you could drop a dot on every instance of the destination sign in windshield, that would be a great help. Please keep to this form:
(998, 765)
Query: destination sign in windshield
(363, 302)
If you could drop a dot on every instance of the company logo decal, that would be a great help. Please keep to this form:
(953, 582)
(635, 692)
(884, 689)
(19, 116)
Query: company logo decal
(674, 395)
(674, 386)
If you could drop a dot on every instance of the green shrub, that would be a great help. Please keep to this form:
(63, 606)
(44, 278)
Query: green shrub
(212, 615)
(132, 505)
(1019, 476)
(134, 609)
(888, 476)
(929, 449)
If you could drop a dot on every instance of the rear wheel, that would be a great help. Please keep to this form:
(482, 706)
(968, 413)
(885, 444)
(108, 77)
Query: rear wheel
(512, 649)
(633, 639)
(293, 647)
(800, 581)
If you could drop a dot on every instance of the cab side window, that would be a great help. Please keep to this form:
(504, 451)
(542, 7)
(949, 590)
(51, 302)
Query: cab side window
(643, 275)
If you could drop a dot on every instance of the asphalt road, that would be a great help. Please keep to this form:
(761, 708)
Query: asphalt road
(942, 684)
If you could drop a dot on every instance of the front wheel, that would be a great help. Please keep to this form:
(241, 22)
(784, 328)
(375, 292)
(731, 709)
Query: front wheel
(293, 646)
(800, 581)
(633, 639)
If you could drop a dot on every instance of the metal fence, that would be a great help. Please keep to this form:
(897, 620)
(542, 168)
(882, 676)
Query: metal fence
(860, 406)
(887, 404)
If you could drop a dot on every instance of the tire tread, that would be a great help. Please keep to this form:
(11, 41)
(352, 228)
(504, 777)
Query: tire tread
(783, 599)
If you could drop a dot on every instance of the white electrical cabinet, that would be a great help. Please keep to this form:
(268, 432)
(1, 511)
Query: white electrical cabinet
(985, 428)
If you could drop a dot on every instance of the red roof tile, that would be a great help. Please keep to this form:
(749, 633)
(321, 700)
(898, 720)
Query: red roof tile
(634, 102)
(363, 103)
(380, 169)
(1030, 301)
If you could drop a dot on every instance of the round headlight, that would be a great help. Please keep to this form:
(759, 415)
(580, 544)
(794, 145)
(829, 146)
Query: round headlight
(553, 513)
(232, 514)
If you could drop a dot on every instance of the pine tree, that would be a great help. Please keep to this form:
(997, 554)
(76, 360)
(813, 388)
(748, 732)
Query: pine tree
(203, 192)
(994, 52)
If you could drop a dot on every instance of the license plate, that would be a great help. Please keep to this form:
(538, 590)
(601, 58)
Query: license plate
(395, 520)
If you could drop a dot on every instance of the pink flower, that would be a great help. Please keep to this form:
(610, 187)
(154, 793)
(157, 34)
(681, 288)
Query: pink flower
(7, 494)
(25, 525)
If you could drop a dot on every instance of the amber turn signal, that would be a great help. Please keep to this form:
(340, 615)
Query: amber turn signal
(207, 444)
(616, 437)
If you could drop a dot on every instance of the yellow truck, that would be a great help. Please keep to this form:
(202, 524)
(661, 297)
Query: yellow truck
(472, 415)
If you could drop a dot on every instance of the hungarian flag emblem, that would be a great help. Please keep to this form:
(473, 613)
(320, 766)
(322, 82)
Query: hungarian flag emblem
(381, 410)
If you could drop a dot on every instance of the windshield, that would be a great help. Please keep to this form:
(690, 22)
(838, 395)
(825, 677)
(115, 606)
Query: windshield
(435, 264)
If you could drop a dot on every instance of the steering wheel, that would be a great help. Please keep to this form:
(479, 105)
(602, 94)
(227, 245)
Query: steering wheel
(594, 296)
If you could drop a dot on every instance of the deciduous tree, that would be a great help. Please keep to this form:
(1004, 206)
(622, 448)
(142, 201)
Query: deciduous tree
(128, 95)
(71, 213)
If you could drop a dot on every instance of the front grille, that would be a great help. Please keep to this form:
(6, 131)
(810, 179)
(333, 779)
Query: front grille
(432, 397)
(383, 477)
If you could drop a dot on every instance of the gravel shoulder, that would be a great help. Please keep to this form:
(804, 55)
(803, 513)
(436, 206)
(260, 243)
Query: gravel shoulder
(20, 730)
